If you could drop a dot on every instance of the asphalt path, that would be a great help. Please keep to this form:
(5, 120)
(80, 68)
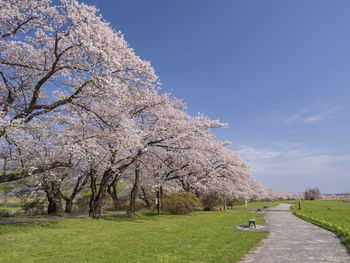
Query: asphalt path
(292, 239)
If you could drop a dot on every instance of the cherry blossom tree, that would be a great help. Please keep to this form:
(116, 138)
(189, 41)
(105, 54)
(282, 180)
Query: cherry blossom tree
(77, 105)
(55, 54)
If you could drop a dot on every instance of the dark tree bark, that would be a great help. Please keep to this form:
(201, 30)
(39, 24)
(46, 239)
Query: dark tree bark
(69, 205)
(112, 191)
(145, 197)
(93, 187)
(82, 180)
(134, 191)
(98, 197)
(54, 196)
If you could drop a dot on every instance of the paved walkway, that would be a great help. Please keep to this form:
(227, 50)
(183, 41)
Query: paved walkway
(292, 239)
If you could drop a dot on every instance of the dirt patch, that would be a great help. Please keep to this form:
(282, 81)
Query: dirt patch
(258, 228)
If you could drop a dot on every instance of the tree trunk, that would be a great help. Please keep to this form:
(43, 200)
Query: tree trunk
(146, 198)
(54, 206)
(112, 191)
(77, 188)
(97, 200)
(97, 204)
(133, 196)
(69, 206)
(55, 203)
(53, 194)
(5, 199)
(93, 179)
(51, 208)
(116, 202)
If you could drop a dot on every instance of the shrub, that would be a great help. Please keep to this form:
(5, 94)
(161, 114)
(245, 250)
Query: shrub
(4, 213)
(312, 194)
(236, 201)
(123, 204)
(181, 202)
(19, 213)
(210, 201)
(33, 207)
(82, 203)
(266, 200)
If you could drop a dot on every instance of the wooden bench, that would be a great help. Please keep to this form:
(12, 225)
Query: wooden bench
(251, 221)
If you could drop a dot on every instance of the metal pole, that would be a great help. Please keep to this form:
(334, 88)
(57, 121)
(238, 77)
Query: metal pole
(160, 197)
(158, 203)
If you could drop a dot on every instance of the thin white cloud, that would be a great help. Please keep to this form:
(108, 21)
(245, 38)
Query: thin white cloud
(290, 167)
(255, 154)
(309, 116)
(292, 118)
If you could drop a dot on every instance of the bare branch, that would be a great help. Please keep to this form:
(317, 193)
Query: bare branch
(16, 29)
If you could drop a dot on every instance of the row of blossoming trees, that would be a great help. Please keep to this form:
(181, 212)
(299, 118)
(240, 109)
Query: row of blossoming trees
(78, 105)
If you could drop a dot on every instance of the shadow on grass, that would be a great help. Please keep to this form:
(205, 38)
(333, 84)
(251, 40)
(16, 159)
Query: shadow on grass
(137, 218)
(145, 216)
(23, 227)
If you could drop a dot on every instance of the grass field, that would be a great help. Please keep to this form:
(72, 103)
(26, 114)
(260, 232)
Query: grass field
(333, 215)
(199, 237)
(256, 205)
(286, 202)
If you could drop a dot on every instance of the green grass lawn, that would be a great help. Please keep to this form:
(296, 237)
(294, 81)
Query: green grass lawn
(199, 237)
(333, 215)
(286, 201)
(255, 205)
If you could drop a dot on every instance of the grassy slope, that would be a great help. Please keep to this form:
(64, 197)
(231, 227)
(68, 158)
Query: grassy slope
(328, 214)
(200, 237)
(256, 205)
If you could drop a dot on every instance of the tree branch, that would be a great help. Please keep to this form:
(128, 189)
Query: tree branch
(20, 174)
(17, 28)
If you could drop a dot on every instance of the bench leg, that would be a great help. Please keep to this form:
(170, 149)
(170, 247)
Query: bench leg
(252, 223)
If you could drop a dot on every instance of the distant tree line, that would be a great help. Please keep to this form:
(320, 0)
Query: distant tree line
(312, 194)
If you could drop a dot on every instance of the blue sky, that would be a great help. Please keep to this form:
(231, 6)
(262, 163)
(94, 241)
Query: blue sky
(276, 71)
